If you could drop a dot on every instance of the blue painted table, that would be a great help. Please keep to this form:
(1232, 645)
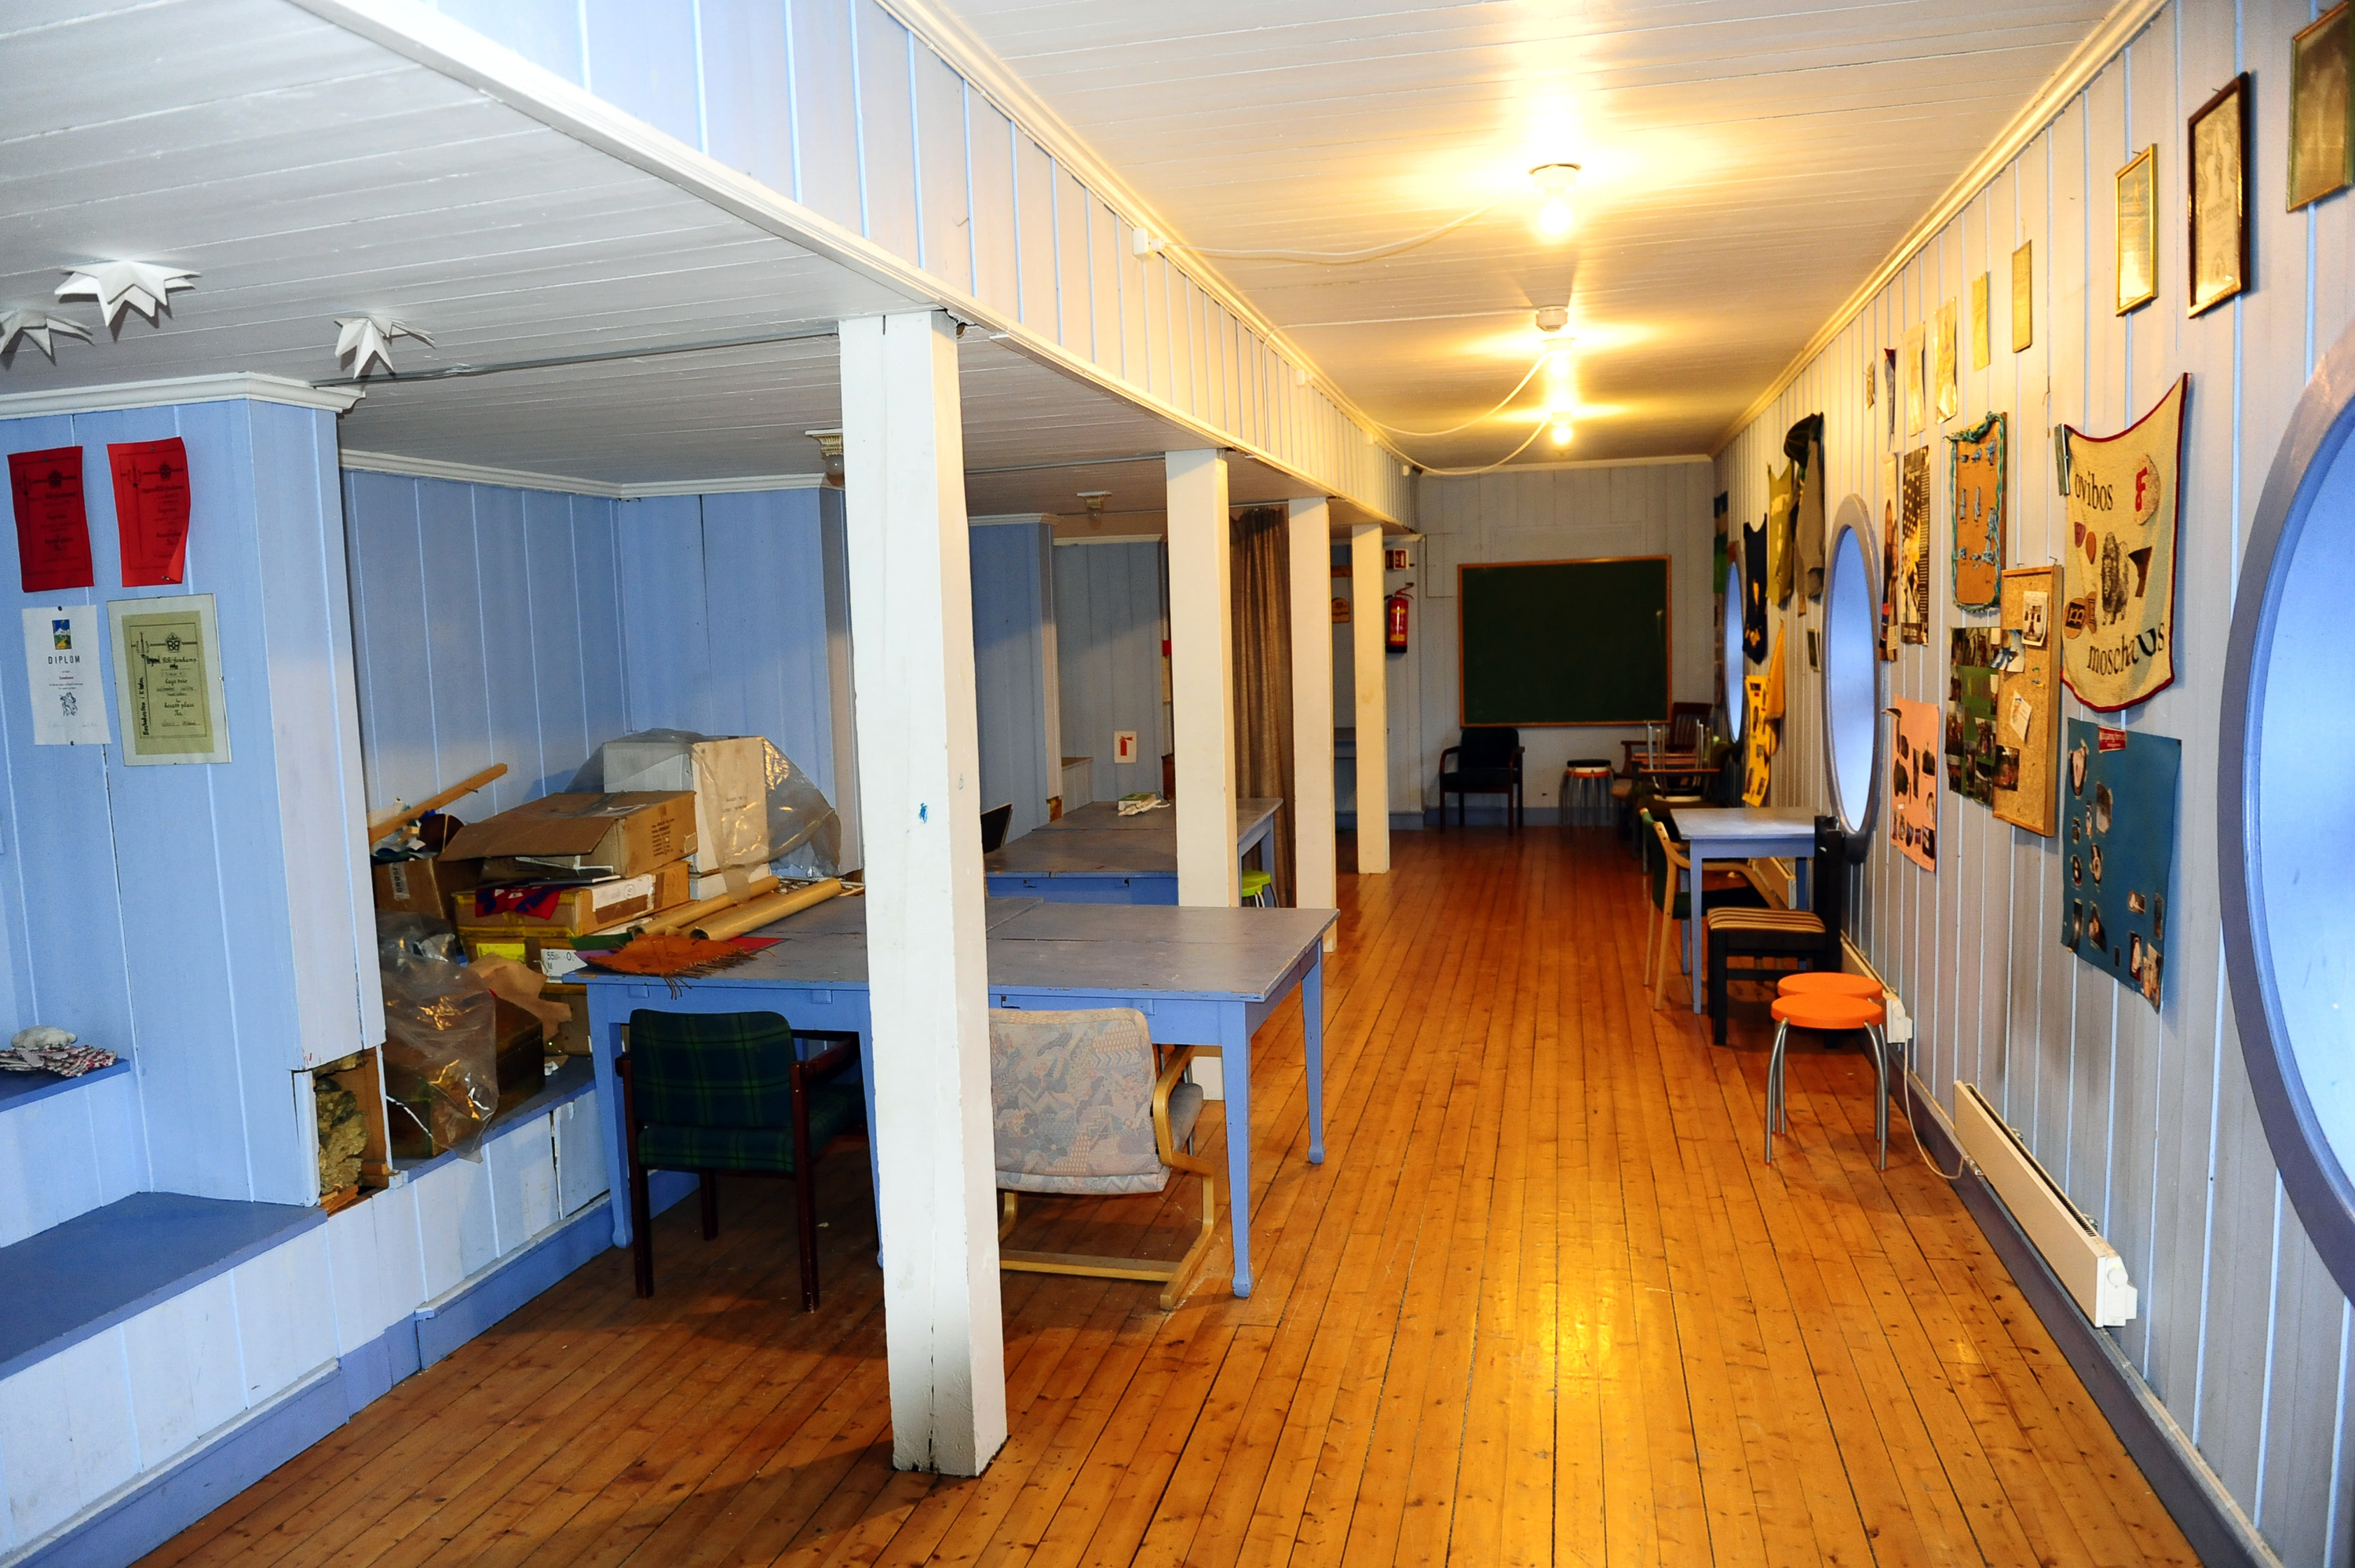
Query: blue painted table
(1095, 855)
(1740, 833)
(1200, 976)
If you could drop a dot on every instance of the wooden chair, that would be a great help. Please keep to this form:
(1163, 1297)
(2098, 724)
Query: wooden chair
(1488, 762)
(708, 1092)
(1809, 938)
(1669, 868)
(1079, 1108)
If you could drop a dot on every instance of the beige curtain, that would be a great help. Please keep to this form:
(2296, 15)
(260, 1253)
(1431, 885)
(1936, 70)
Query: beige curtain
(1262, 625)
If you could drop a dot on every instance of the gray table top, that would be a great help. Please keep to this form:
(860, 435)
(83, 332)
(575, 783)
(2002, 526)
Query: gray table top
(1137, 949)
(1070, 853)
(1736, 824)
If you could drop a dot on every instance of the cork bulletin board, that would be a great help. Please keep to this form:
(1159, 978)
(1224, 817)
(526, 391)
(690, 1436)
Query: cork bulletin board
(2028, 699)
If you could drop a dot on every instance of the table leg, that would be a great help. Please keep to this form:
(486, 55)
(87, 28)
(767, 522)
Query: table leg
(1312, 1034)
(1234, 1049)
(605, 1045)
(1693, 906)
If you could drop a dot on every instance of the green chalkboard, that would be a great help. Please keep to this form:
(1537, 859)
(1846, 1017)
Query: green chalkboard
(1562, 642)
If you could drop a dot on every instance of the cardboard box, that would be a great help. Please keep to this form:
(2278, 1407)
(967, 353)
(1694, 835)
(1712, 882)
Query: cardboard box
(571, 1039)
(629, 834)
(729, 776)
(734, 881)
(589, 906)
(423, 886)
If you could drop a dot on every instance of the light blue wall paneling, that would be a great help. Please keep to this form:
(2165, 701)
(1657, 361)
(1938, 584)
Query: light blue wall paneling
(1108, 637)
(834, 104)
(724, 599)
(1010, 648)
(487, 628)
(2146, 1117)
(205, 920)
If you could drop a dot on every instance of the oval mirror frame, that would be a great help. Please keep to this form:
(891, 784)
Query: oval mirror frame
(1736, 700)
(2278, 662)
(1851, 670)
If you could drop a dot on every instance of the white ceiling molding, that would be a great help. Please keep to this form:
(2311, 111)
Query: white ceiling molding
(415, 33)
(404, 467)
(179, 389)
(2117, 29)
(1006, 519)
(1593, 462)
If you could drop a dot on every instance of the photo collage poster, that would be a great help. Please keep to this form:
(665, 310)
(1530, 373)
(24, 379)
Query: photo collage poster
(1913, 549)
(1975, 761)
(2118, 850)
(1914, 782)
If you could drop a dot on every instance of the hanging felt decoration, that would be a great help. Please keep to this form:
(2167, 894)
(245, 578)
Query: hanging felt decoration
(1976, 465)
(1782, 504)
(2118, 621)
(2119, 851)
(1753, 594)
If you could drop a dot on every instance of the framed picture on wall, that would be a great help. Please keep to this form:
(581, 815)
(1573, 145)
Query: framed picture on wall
(1982, 349)
(2137, 226)
(2321, 142)
(1914, 399)
(2219, 204)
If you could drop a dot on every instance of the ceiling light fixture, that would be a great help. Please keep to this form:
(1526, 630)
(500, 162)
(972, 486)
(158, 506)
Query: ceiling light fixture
(35, 327)
(116, 286)
(1559, 427)
(1552, 319)
(829, 446)
(1554, 182)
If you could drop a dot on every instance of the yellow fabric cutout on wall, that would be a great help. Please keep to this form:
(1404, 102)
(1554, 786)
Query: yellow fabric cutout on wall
(1763, 701)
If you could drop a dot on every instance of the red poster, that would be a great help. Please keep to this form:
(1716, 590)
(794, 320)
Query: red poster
(151, 509)
(52, 533)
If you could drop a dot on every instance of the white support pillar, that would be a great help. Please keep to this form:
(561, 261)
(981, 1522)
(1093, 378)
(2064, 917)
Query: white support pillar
(1314, 856)
(1373, 717)
(1201, 680)
(920, 777)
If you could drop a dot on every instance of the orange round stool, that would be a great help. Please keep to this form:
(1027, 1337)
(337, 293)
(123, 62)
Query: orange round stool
(1828, 982)
(1828, 1012)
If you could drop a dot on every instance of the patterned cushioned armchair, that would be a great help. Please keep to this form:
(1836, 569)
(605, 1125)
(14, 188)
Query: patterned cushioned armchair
(727, 1091)
(1079, 1108)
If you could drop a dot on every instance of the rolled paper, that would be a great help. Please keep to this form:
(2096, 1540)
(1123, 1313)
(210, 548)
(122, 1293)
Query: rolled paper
(767, 910)
(686, 914)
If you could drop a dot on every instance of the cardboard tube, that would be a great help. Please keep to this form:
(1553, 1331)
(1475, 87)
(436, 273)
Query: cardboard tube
(686, 914)
(767, 911)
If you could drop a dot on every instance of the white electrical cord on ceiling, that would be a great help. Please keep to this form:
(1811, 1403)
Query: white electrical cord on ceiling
(1492, 413)
(1491, 468)
(1343, 258)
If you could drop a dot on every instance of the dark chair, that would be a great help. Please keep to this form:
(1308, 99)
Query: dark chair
(994, 823)
(1809, 939)
(708, 1092)
(1487, 762)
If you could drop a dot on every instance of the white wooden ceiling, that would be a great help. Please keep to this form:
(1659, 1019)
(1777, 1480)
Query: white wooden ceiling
(305, 173)
(1747, 164)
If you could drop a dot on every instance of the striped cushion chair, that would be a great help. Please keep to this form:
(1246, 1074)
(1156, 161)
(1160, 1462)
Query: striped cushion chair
(1080, 1109)
(709, 1092)
(1809, 938)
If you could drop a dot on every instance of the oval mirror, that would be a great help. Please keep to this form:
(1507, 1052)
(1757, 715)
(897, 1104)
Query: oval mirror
(2286, 810)
(1734, 665)
(1852, 662)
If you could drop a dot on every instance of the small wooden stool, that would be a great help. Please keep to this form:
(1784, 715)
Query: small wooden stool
(1828, 1012)
(1828, 982)
(1588, 778)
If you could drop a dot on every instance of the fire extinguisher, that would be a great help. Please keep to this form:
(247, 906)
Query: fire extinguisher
(1395, 621)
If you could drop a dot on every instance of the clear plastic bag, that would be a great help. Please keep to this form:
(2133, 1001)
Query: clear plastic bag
(798, 832)
(441, 1032)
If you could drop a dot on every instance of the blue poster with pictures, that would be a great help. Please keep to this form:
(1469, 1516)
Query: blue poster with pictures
(2117, 850)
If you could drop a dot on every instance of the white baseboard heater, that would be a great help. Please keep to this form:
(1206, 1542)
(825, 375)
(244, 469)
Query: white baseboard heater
(2088, 1265)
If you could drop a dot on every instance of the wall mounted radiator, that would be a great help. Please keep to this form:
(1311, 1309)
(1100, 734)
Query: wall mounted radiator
(2088, 1265)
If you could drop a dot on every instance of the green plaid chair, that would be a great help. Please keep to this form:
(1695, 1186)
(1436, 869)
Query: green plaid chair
(708, 1092)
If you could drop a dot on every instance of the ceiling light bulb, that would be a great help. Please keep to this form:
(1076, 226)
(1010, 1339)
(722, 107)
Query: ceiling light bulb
(1559, 431)
(1554, 182)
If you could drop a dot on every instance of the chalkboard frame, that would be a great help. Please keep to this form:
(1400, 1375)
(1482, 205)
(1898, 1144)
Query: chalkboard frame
(1667, 643)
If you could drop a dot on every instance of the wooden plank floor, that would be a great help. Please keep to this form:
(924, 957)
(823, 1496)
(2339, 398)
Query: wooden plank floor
(1543, 1303)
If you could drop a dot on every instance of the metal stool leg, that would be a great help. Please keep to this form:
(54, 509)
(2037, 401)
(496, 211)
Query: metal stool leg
(1880, 1092)
(1775, 1086)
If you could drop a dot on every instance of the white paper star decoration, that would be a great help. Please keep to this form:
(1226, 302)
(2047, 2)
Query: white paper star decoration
(141, 286)
(35, 327)
(367, 340)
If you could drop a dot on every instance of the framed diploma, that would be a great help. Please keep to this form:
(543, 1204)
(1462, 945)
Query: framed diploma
(167, 679)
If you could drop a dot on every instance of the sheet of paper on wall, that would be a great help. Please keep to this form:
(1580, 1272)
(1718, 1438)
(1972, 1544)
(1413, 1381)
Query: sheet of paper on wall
(168, 679)
(62, 661)
(52, 532)
(151, 510)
